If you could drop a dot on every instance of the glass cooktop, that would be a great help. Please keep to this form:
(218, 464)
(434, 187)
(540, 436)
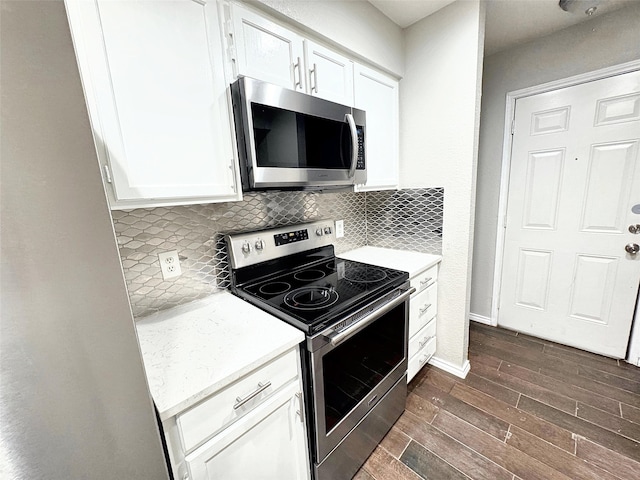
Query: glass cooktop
(316, 295)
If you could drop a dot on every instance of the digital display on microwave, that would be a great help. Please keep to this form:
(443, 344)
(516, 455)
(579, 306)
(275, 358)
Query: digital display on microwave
(291, 237)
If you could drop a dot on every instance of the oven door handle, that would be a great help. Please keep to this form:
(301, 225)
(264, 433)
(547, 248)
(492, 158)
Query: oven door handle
(356, 327)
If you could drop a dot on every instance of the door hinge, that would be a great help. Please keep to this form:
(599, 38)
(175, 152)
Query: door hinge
(513, 126)
(504, 221)
(107, 173)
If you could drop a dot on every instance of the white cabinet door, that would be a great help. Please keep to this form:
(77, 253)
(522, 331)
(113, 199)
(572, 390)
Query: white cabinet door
(377, 95)
(158, 102)
(329, 74)
(265, 50)
(268, 443)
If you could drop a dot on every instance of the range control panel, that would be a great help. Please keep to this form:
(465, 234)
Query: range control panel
(290, 237)
(254, 247)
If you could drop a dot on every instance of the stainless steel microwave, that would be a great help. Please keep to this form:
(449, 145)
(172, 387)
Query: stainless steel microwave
(290, 140)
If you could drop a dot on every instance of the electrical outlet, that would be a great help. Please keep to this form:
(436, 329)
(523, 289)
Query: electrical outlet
(170, 264)
(339, 228)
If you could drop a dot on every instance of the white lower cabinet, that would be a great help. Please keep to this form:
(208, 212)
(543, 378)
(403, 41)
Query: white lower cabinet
(422, 320)
(268, 443)
(253, 428)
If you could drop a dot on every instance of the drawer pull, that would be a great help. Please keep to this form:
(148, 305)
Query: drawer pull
(424, 359)
(424, 309)
(424, 341)
(425, 281)
(261, 388)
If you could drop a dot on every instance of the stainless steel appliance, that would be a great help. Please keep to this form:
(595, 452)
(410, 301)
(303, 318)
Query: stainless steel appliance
(74, 400)
(288, 139)
(355, 319)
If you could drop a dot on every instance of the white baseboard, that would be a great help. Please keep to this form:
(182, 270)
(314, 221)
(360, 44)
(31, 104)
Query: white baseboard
(450, 367)
(480, 319)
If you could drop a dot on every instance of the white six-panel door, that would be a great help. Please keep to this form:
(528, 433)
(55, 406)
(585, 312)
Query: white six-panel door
(574, 179)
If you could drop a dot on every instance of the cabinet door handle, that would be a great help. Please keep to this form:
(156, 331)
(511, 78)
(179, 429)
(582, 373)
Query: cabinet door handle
(296, 66)
(423, 310)
(261, 388)
(425, 281)
(299, 411)
(314, 74)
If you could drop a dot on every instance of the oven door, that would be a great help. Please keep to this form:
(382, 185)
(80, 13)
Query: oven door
(355, 368)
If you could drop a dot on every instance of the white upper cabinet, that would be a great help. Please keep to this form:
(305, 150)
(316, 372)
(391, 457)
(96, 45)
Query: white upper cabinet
(267, 51)
(377, 95)
(153, 74)
(329, 75)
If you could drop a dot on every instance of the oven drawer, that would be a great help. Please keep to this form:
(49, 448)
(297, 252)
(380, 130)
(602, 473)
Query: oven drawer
(425, 279)
(215, 413)
(421, 358)
(420, 339)
(424, 307)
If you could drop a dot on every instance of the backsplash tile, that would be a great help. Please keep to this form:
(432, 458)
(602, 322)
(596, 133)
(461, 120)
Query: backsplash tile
(407, 219)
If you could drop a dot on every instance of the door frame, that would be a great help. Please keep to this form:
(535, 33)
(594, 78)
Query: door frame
(509, 117)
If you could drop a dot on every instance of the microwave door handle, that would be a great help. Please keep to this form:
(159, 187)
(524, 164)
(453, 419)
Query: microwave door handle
(354, 144)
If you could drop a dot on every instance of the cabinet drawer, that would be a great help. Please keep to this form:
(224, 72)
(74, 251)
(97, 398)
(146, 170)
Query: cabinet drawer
(421, 358)
(425, 279)
(216, 412)
(424, 307)
(420, 339)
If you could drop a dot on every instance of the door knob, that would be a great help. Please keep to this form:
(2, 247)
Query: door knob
(632, 248)
(635, 228)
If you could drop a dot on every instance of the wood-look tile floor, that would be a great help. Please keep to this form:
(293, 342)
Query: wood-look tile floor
(529, 409)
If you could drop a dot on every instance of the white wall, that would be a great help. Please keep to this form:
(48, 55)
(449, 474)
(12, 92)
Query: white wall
(604, 41)
(355, 25)
(439, 123)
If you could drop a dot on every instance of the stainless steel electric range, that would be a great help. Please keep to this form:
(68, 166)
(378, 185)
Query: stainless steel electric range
(355, 318)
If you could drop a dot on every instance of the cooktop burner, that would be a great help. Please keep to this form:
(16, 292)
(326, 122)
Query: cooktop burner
(365, 274)
(274, 288)
(309, 275)
(311, 298)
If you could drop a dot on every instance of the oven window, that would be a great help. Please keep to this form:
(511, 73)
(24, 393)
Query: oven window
(286, 139)
(355, 367)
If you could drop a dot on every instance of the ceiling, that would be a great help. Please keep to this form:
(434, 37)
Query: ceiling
(509, 22)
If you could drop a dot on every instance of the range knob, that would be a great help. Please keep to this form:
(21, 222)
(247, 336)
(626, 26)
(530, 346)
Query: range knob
(246, 247)
(259, 244)
(327, 230)
(319, 232)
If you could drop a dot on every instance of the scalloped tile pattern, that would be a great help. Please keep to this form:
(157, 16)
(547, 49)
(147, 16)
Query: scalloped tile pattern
(406, 219)
(196, 232)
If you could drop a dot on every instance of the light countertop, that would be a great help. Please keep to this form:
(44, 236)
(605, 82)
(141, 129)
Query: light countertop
(412, 262)
(194, 350)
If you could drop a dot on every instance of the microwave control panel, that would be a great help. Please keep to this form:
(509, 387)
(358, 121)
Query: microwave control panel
(360, 163)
